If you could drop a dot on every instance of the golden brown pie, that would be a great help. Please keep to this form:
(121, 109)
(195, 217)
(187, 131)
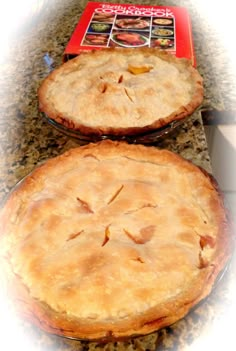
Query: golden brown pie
(163, 21)
(112, 240)
(121, 91)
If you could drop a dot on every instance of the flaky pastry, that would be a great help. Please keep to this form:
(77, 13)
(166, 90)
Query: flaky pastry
(112, 240)
(121, 91)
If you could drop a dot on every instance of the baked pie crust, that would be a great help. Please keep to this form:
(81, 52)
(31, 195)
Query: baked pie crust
(118, 91)
(112, 240)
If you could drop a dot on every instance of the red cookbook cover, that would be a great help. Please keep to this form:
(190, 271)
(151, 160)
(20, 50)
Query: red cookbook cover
(125, 25)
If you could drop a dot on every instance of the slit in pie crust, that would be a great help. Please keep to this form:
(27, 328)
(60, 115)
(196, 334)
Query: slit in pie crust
(118, 91)
(112, 240)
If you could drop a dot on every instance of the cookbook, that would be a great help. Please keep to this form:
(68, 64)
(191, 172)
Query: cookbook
(124, 25)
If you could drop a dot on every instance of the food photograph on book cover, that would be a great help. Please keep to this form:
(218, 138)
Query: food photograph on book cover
(102, 25)
(130, 31)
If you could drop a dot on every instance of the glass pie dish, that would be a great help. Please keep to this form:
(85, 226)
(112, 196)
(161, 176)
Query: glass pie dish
(144, 138)
(109, 92)
(59, 193)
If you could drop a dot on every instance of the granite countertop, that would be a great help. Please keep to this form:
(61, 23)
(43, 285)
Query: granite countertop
(27, 140)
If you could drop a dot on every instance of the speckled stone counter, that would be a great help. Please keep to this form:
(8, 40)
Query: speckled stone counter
(26, 140)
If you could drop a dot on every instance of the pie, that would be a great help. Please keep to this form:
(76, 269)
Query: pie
(121, 91)
(163, 21)
(162, 31)
(112, 240)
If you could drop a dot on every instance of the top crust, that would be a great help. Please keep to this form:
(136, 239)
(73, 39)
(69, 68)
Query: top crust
(112, 240)
(118, 91)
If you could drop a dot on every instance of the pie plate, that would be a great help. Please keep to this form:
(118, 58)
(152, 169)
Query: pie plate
(73, 189)
(144, 138)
